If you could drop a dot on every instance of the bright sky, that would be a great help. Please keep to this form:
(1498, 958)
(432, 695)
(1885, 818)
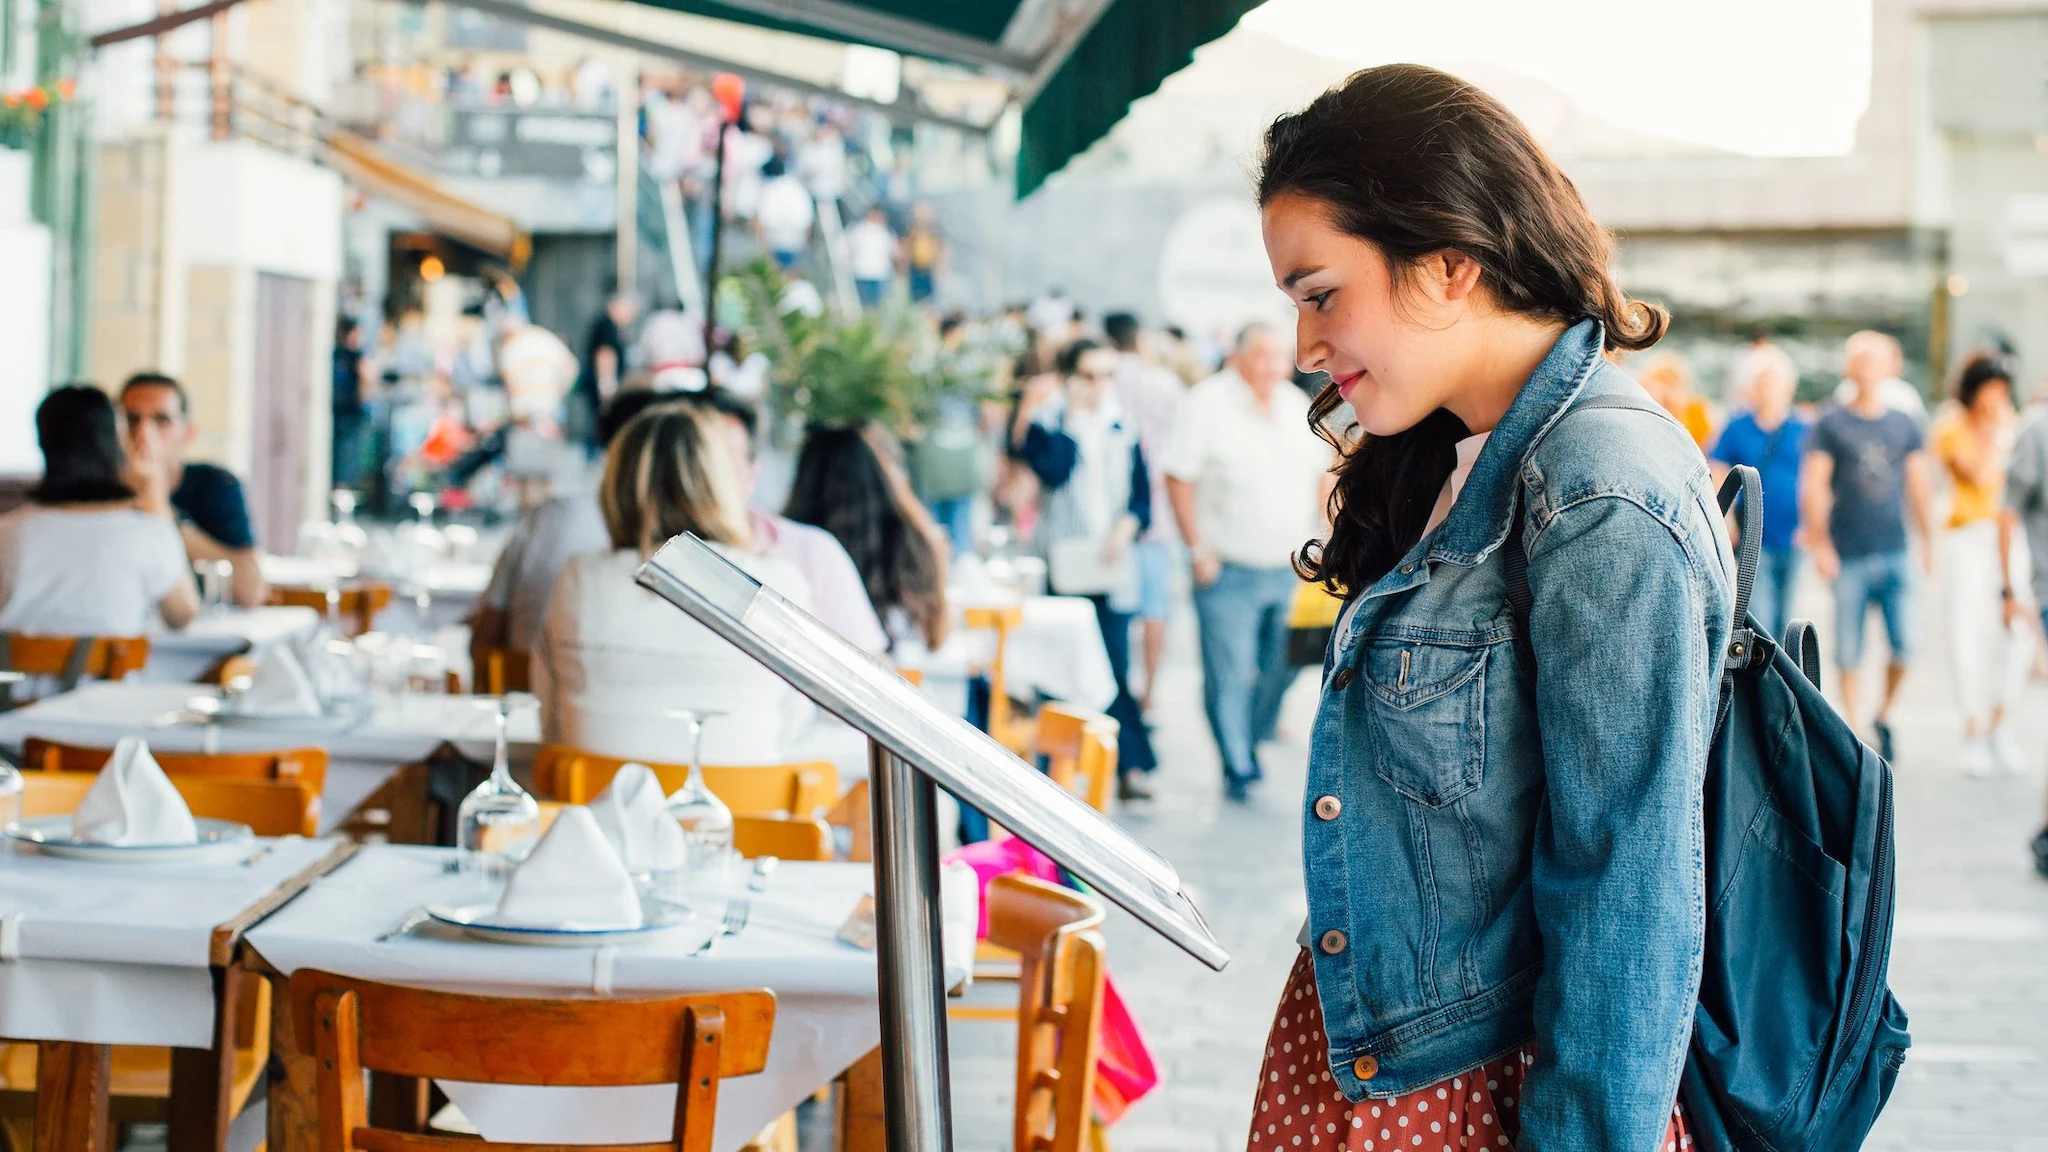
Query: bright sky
(1764, 77)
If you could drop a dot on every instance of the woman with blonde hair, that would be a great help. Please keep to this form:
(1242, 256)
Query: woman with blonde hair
(614, 659)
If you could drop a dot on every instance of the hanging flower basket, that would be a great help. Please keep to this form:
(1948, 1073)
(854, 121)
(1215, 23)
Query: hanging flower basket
(22, 112)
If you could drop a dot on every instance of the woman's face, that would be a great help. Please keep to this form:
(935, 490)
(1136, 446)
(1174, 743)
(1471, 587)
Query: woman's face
(1993, 402)
(1091, 379)
(1386, 345)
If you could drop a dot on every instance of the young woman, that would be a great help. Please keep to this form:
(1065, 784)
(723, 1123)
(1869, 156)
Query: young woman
(613, 659)
(1503, 830)
(1096, 497)
(849, 483)
(1990, 656)
(81, 559)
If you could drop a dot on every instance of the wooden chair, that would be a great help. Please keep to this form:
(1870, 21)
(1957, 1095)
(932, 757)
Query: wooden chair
(787, 837)
(269, 807)
(357, 604)
(307, 765)
(1017, 733)
(1080, 749)
(855, 813)
(798, 789)
(104, 658)
(352, 1025)
(140, 1089)
(497, 671)
(1055, 934)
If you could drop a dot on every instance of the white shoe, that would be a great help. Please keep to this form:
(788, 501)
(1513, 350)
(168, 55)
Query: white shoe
(1978, 759)
(2006, 751)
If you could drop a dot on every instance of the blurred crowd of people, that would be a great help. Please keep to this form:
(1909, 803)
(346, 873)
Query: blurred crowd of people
(1878, 495)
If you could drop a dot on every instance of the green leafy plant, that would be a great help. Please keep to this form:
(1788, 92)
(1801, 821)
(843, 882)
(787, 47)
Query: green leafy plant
(880, 367)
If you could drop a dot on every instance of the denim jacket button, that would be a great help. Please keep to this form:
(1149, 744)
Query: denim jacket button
(1365, 1067)
(1329, 808)
(1333, 942)
(1341, 680)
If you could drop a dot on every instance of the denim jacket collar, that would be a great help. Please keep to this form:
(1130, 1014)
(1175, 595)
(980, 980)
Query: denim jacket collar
(1480, 520)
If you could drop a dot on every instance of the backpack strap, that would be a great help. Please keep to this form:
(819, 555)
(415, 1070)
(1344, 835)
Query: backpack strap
(1802, 643)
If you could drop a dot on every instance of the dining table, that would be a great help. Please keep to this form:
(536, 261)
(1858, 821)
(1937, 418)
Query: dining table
(364, 750)
(193, 652)
(1055, 652)
(827, 1014)
(96, 953)
(452, 587)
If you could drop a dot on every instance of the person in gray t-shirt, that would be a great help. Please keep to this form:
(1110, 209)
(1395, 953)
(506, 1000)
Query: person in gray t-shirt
(2026, 507)
(1866, 471)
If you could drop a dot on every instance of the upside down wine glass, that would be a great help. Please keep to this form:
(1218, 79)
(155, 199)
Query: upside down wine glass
(706, 821)
(498, 821)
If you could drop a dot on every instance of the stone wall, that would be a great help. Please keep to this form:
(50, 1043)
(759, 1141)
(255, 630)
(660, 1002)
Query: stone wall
(126, 320)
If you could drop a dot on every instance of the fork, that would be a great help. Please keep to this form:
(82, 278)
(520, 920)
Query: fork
(736, 912)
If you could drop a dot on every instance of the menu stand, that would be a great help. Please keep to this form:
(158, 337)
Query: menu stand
(915, 746)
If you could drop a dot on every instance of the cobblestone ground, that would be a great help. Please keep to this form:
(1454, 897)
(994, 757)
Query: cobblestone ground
(1970, 960)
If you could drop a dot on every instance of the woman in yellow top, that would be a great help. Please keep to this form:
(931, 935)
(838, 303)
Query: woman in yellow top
(1973, 441)
(1668, 379)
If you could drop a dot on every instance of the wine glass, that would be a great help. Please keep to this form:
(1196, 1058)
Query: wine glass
(706, 821)
(499, 821)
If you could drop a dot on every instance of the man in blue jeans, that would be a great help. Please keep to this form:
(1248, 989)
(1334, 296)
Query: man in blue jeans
(1866, 464)
(1247, 480)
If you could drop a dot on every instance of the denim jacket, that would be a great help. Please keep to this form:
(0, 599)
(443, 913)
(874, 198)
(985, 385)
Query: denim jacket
(1497, 853)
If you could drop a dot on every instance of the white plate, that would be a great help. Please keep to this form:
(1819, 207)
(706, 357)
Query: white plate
(477, 920)
(342, 716)
(218, 840)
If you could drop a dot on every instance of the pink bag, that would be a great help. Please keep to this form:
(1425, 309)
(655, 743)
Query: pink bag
(1124, 1072)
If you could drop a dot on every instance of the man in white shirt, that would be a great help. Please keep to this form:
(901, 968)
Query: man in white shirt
(871, 256)
(1247, 480)
(786, 215)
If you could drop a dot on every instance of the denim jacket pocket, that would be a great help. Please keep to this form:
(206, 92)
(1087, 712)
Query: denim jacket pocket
(1429, 709)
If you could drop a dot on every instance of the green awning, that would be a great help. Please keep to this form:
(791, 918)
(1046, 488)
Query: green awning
(1131, 50)
(1076, 81)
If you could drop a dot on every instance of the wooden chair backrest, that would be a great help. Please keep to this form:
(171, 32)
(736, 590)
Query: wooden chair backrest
(804, 789)
(109, 658)
(1055, 933)
(1080, 749)
(268, 807)
(855, 813)
(691, 1041)
(501, 670)
(787, 837)
(357, 604)
(308, 765)
(1000, 621)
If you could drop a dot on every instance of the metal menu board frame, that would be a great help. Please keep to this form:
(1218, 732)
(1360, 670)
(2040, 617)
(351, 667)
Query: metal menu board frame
(916, 745)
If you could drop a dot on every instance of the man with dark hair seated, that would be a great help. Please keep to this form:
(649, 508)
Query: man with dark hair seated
(205, 499)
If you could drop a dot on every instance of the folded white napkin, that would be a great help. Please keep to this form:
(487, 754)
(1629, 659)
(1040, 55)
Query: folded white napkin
(133, 802)
(633, 814)
(573, 879)
(280, 687)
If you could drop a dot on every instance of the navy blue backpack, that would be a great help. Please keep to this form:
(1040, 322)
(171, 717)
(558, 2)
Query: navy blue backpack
(1797, 1040)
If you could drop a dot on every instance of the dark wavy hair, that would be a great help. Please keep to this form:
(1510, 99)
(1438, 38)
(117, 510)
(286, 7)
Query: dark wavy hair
(849, 483)
(82, 455)
(1977, 371)
(1415, 162)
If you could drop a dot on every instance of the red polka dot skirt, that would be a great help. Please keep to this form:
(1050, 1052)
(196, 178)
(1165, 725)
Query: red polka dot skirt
(1301, 1109)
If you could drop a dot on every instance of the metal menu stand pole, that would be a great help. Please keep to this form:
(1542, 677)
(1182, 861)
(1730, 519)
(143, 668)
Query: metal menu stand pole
(917, 1092)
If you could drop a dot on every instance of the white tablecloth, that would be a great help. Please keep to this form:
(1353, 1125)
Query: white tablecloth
(398, 731)
(192, 651)
(826, 1013)
(118, 953)
(1056, 651)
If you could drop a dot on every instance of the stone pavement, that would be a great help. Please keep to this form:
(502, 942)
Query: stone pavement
(1970, 961)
